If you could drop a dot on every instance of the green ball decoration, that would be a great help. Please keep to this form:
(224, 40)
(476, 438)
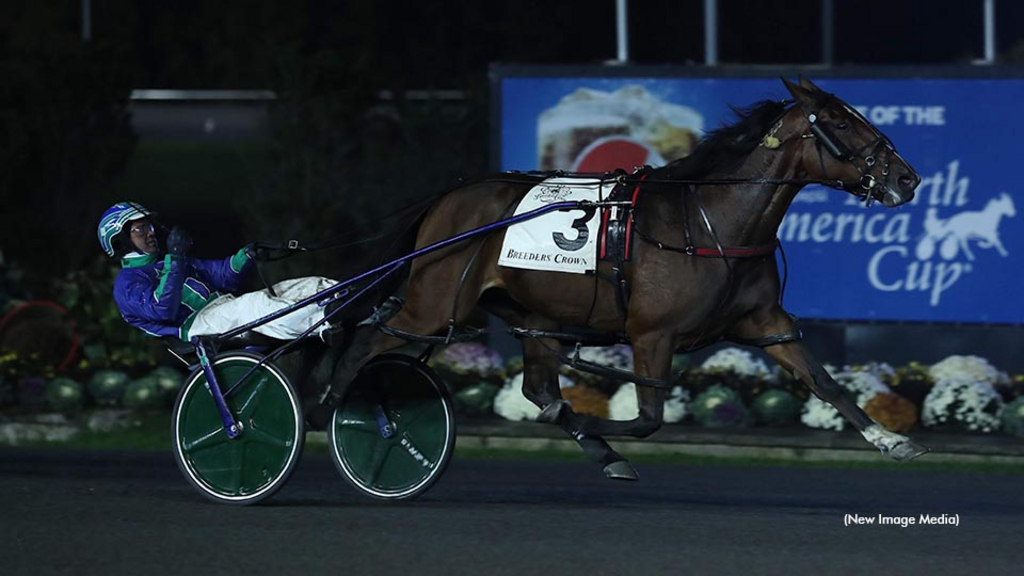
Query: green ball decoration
(476, 399)
(720, 407)
(107, 386)
(1013, 418)
(776, 408)
(143, 394)
(64, 395)
(169, 381)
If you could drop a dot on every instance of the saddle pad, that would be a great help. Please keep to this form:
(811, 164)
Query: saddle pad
(557, 241)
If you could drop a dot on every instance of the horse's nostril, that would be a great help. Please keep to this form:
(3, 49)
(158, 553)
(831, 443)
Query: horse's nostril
(907, 183)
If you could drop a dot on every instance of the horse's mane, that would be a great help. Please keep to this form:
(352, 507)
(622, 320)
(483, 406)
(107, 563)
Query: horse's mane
(723, 148)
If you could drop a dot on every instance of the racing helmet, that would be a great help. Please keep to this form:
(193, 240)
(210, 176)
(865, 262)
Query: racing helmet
(113, 220)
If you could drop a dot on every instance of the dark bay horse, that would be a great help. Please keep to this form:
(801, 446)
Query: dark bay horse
(749, 172)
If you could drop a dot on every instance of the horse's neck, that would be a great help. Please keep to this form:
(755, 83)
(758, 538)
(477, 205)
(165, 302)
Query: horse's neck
(748, 215)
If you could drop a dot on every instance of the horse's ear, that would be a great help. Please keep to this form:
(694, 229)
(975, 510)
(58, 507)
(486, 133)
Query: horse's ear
(808, 85)
(800, 94)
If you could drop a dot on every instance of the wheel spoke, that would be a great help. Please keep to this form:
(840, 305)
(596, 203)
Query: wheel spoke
(255, 434)
(362, 426)
(214, 437)
(248, 406)
(380, 456)
(237, 461)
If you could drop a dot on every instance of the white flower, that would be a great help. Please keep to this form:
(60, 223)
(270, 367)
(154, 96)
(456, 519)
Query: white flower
(510, 403)
(739, 361)
(623, 404)
(817, 413)
(975, 405)
(619, 356)
(970, 368)
(864, 384)
(880, 370)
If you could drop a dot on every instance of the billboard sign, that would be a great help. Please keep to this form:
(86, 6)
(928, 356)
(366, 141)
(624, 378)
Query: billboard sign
(955, 254)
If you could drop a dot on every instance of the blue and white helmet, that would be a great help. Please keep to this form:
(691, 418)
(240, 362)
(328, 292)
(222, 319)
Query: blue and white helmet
(113, 222)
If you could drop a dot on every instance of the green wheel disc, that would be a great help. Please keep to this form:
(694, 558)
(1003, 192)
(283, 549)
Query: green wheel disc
(257, 463)
(409, 397)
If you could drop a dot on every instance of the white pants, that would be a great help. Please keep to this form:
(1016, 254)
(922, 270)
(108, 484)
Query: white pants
(229, 312)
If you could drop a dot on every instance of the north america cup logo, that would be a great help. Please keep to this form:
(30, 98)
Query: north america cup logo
(928, 248)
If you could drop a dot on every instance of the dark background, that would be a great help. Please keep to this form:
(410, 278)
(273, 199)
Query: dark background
(375, 104)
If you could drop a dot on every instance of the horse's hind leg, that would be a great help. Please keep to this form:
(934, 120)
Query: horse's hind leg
(652, 357)
(540, 383)
(540, 386)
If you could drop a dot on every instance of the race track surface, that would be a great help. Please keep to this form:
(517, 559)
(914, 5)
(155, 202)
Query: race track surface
(115, 513)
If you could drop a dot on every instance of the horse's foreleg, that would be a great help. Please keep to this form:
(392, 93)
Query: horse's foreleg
(794, 357)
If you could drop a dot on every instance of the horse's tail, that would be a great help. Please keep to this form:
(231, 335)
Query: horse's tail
(403, 243)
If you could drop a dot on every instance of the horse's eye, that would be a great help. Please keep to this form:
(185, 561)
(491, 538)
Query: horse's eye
(842, 126)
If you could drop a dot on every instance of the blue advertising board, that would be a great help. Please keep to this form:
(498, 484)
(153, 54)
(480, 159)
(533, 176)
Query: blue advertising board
(952, 255)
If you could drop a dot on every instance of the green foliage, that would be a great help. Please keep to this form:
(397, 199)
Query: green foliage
(1012, 418)
(64, 395)
(11, 283)
(912, 382)
(8, 390)
(107, 341)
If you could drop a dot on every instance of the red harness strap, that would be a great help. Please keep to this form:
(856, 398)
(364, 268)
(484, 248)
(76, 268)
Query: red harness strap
(744, 252)
(629, 223)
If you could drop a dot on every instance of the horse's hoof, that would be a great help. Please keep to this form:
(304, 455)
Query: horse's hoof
(907, 450)
(620, 470)
(552, 412)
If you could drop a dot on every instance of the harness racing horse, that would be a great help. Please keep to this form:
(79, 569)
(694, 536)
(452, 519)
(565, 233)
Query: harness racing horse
(704, 271)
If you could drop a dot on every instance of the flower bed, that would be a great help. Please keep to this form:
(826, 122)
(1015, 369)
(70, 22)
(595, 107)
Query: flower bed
(732, 388)
(736, 388)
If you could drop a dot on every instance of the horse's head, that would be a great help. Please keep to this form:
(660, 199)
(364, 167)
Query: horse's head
(1006, 205)
(848, 148)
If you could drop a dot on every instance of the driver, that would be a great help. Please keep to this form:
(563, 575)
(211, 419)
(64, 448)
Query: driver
(163, 292)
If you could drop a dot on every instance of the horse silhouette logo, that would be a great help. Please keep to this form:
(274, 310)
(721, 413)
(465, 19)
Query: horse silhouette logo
(956, 232)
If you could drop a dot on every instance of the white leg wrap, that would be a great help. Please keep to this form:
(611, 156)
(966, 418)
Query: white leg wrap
(883, 439)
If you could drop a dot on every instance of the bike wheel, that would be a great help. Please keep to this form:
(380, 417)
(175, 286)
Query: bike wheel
(254, 465)
(408, 396)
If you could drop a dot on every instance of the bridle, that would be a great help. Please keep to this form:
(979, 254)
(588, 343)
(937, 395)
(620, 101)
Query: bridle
(862, 159)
